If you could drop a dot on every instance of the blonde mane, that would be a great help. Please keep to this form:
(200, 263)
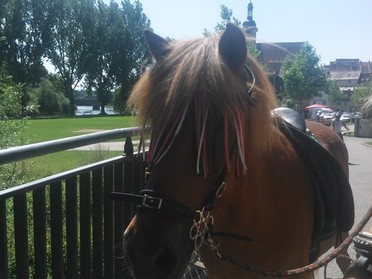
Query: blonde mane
(367, 108)
(192, 74)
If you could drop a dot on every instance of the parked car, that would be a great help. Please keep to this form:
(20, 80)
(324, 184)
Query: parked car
(327, 118)
(346, 117)
(317, 113)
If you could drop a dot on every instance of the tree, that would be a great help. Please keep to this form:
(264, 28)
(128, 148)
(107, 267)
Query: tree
(80, 38)
(23, 42)
(12, 127)
(115, 50)
(334, 93)
(303, 76)
(49, 99)
(67, 44)
(99, 36)
(226, 16)
(131, 52)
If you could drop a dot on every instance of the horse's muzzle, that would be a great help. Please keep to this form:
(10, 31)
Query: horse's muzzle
(152, 249)
(160, 264)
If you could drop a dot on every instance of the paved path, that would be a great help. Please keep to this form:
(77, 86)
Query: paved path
(111, 146)
(360, 169)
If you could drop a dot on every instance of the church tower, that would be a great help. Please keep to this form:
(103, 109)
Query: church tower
(249, 26)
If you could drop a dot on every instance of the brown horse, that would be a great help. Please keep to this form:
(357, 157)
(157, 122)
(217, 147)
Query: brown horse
(224, 180)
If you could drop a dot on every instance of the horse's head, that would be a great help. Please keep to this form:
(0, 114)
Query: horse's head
(201, 99)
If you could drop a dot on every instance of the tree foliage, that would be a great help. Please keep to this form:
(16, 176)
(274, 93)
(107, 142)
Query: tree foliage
(334, 94)
(116, 50)
(226, 16)
(88, 40)
(49, 98)
(67, 44)
(133, 51)
(12, 126)
(303, 76)
(23, 39)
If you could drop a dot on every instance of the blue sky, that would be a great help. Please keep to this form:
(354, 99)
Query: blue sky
(336, 28)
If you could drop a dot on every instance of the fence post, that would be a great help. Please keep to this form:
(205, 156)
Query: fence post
(40, 246)
(3, 241)
(71, 228)
(21, 235)
(56, 232)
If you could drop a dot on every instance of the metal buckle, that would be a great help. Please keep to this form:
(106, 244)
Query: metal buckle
(151, 202)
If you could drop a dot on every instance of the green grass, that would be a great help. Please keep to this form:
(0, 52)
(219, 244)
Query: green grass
(40, 130)
(66, 160)
(56, 128)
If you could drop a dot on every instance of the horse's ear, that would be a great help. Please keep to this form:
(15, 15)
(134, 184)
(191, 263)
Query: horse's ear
(233, 47)
(157, 45)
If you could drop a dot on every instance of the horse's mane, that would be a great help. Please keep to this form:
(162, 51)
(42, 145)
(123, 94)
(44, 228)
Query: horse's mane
(367, 108)
(193, 75)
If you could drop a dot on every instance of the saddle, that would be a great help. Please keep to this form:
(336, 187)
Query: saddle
(333, 198)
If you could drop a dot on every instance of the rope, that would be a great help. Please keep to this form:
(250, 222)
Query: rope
(305, 269)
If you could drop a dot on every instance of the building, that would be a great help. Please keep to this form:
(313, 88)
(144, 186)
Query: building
(272, 55)
(348, 73)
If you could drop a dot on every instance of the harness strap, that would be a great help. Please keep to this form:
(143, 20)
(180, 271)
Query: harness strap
(149, 199)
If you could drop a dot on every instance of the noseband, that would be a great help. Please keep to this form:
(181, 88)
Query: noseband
(152, 200)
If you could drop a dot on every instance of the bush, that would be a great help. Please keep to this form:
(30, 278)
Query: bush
(49, 99)
(12, 128)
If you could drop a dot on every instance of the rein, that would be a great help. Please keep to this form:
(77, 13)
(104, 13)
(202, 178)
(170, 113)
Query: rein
(305, 269)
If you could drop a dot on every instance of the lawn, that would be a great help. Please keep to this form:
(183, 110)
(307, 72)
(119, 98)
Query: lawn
(40, 130)
(66, 160)
(55, 128)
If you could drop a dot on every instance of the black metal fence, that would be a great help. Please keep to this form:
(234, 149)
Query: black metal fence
(64, 226)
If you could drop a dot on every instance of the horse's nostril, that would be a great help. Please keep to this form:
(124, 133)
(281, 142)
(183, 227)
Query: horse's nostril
(165, 260)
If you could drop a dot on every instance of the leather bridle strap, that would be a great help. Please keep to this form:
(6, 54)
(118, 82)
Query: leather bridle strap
(152, 200)
(149, 199)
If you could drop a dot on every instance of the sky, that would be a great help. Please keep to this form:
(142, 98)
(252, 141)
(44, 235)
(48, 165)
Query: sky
(335, 28)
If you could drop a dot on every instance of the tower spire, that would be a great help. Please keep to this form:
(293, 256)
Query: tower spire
(250, 11)
(249, 26)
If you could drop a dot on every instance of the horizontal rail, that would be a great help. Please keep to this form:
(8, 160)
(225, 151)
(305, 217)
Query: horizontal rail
(40, 183)
(19, 153)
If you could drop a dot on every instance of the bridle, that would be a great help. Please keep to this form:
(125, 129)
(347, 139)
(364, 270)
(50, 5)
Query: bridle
(201, 219)
(149, 199)
(152, 200)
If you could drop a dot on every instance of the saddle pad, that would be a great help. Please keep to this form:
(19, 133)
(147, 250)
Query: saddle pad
(334, 203)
